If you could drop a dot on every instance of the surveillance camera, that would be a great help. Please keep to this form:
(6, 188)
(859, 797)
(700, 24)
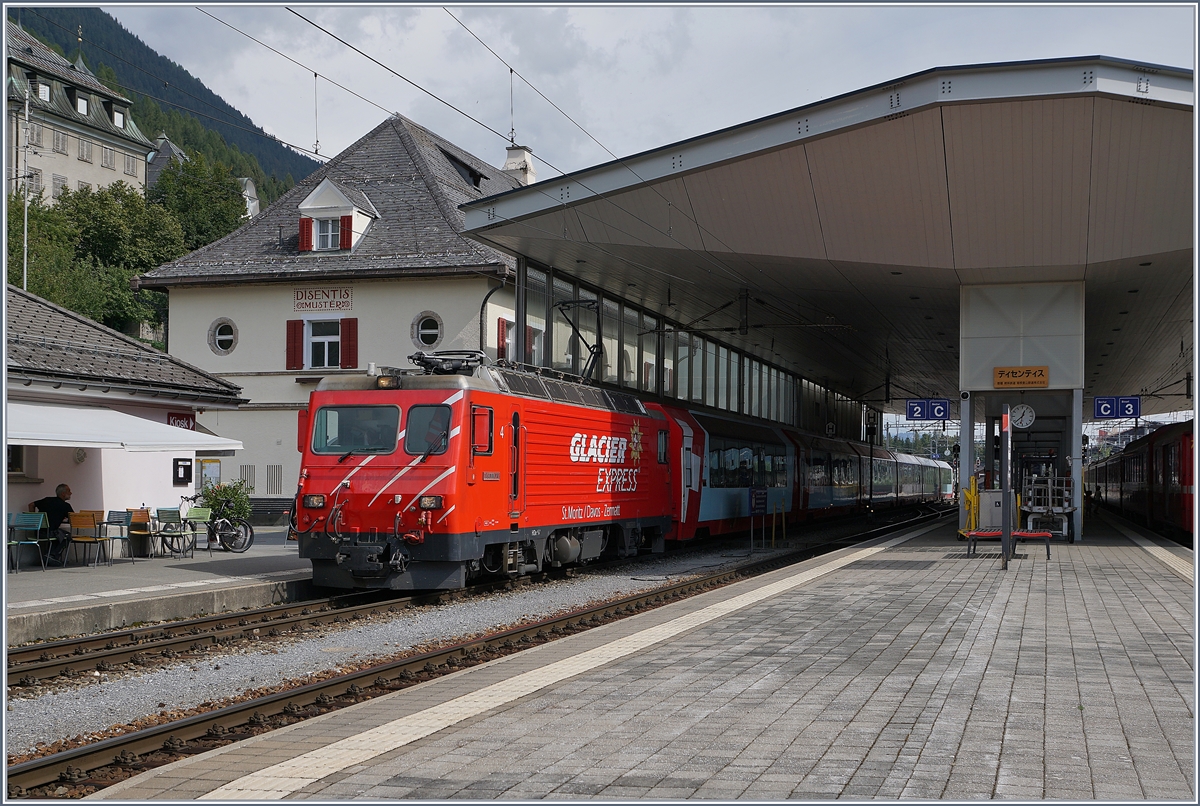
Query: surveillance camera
(965, 395)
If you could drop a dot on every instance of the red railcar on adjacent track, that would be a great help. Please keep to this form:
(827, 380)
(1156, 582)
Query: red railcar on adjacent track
(1151, 480)
(424, 481)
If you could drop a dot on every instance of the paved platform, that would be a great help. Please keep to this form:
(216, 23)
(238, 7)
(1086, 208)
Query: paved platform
(902, 669)
(57, 602)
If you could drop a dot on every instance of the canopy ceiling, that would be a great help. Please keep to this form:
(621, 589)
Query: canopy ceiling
(853, 222)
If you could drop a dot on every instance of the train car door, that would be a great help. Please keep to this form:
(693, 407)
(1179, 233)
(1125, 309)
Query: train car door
(516, 465)
(688, 470)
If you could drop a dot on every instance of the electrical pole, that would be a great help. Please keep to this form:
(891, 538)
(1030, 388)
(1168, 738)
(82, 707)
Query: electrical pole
(25, 244)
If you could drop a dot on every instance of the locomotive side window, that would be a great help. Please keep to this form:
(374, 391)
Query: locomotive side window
(662, 447)
(481, 431)
(361, 429)
(428, 430)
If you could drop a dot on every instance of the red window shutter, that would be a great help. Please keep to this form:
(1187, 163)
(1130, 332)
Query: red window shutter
(349, 346)
(501, 338)
(295, 344)
(346, 232)
(528, 344)
(306, 234)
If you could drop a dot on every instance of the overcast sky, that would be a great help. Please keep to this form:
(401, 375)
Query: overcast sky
(633, 77)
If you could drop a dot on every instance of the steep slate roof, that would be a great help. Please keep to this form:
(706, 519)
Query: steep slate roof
(27, 53)
(51, 344)
(402, 171)
(164, 152)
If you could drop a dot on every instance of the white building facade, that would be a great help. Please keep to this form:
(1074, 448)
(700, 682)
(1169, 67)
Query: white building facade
(361, 263)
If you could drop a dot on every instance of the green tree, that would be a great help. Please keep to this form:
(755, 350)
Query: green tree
(53, 271)
(120, 235)
(202, 196)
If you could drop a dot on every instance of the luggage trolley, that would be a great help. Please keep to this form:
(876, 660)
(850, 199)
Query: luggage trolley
(1047, 502)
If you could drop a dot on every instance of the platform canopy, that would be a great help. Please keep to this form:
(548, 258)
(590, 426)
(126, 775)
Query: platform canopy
(852, 223)
(99, 427)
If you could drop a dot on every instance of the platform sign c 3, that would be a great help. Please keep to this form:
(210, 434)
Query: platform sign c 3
(1020, 377)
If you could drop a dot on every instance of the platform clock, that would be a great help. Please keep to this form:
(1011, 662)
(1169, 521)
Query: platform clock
(1022, 415)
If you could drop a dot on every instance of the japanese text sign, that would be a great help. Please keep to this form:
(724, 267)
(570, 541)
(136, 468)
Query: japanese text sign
(1020, 377)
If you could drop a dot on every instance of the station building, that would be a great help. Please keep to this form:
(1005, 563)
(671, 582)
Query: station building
(364, 263)
(1001, 234)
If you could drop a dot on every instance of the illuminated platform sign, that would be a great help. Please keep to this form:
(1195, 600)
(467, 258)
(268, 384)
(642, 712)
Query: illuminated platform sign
(1116, 408)
(927, 409)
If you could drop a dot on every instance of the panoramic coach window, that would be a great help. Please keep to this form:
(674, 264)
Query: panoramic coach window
(428, 430)
(365, 429)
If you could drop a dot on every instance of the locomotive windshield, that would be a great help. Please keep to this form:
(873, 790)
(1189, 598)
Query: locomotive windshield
(428, 430)
(361, 429)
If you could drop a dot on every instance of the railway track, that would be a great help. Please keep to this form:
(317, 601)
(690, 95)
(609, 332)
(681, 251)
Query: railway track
(108, 761)
(36, 664)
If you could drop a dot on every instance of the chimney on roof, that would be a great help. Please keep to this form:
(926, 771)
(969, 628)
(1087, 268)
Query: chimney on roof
(519, 164)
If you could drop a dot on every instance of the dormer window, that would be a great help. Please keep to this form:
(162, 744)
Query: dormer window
(81, 104)
(334, 216)
(118, 118)
(329, 233)
(469, 175)
(40, 89)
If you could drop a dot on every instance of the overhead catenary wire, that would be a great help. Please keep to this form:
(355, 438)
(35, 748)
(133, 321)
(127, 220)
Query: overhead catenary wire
(705, 257)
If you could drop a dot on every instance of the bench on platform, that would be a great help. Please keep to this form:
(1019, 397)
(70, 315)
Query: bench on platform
(995, 534)
(981, 534)
(1026, 534)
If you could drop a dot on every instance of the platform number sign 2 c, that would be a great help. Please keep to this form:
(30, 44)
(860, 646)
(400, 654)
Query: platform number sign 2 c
(927, 409)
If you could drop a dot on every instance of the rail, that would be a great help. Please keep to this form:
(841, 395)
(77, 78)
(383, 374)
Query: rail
(72, 766)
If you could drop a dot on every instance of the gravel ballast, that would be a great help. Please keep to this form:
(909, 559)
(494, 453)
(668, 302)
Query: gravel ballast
(96, 707)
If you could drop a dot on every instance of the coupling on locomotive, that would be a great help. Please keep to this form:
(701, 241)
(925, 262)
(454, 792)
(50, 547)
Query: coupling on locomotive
(464, 468)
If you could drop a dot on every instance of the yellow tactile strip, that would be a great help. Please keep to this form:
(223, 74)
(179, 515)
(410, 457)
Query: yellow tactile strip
(1179, 565)
(282, 779)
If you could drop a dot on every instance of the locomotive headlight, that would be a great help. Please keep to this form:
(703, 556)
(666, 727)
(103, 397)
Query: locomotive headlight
(387, 382)
(313, 502)
(430, 502)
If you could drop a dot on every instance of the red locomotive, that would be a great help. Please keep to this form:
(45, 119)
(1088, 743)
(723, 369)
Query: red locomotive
(1151, 481)
(423, 481)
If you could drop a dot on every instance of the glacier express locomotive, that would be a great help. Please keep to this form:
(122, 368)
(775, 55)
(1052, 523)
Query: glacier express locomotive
(465, 469)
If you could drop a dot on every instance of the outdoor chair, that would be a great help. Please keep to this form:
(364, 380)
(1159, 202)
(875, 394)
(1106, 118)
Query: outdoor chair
(140, 526)
(172, 532)
(26, 522)
(199, 517)
(86, 522)
(120, 520)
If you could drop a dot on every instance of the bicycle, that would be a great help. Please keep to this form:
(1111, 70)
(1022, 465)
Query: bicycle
(229, 533)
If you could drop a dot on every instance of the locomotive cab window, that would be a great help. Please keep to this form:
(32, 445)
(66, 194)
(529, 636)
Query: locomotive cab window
(361, 429)
(428, 430)
(481, 430)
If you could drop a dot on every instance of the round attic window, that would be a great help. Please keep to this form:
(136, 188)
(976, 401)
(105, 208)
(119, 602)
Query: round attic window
(427, 330)
(222, 336)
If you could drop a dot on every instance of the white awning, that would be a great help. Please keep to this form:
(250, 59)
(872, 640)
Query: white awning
(95, 427)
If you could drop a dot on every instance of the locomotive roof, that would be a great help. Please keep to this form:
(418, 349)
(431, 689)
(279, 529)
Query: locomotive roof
(502, 380)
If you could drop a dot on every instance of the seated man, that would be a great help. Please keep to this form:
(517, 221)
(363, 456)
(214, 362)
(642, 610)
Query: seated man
(56, 509)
